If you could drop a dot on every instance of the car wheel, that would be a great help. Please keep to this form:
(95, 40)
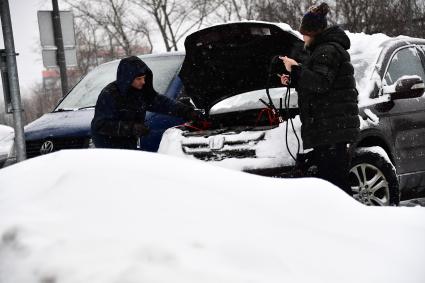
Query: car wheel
(373, 177)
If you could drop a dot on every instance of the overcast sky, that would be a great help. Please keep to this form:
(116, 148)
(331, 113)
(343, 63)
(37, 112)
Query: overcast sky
(27, 43)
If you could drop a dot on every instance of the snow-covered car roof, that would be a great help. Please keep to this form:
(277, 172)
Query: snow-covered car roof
(127, 216)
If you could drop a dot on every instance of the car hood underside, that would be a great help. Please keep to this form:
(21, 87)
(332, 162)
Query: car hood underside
(226, 60)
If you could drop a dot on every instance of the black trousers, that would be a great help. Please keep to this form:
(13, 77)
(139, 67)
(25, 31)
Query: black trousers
(333, 165)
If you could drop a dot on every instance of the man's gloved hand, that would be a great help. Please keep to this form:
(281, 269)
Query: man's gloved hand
(139, 129)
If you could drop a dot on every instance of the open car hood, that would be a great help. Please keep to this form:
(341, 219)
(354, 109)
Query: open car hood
(225, 60)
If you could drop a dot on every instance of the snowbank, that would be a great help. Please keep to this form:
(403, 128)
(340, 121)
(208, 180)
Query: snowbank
(120, 216)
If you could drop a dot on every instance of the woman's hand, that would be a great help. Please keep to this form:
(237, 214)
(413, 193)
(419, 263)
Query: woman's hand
(284, 79)
(289, 62)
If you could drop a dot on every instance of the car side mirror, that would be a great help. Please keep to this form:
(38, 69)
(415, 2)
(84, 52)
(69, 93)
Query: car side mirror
(405, 87)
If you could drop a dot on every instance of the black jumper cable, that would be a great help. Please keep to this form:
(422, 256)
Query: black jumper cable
(283, 116)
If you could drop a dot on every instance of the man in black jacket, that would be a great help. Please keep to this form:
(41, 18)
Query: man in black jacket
(327, 96)
(121, 107)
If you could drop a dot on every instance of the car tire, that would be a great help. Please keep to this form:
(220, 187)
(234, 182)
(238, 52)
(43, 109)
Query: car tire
(373, 177)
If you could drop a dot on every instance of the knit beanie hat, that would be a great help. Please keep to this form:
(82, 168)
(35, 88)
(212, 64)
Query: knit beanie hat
(314, 21)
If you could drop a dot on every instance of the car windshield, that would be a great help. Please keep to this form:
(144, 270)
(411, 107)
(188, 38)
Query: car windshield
(85, 93)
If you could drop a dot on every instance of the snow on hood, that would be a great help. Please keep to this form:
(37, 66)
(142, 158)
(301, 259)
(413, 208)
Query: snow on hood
(251, 100)
(125, 216)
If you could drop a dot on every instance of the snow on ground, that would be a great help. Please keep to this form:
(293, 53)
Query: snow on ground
(270, 153)
(122, 216)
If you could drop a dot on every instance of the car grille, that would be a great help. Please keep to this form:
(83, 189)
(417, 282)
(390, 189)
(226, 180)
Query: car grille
(219, 147)
(34, 147)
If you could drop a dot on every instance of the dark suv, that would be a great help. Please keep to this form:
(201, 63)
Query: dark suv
(68, 125)
(400, 128)
(226, 73)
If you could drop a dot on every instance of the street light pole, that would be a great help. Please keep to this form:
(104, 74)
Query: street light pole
(13, 79)
(57, 30)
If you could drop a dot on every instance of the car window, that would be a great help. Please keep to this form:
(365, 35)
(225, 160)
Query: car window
(85, 93)
(405, 62)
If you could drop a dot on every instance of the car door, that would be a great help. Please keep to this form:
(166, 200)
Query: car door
(407, 116)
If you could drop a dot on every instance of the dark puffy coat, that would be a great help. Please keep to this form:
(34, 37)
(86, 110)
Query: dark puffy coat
(327, 95)
(120, 106)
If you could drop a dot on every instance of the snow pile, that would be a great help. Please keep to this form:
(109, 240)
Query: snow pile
(270, 152)
(121, 216)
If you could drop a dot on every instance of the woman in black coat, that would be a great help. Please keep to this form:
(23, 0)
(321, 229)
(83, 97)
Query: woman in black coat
(327, 96)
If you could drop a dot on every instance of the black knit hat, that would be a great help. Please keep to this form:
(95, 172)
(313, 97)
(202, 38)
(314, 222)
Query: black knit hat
(314, 21)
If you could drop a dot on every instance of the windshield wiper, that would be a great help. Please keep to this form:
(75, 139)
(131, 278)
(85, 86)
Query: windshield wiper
(72, 109)
(86, 107)
(64, 109)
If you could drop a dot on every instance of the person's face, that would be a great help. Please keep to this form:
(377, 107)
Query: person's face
(138, 82)
(307, 40)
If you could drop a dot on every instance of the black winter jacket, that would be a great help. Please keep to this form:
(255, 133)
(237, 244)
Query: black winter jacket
(120, 106)
(327, 95)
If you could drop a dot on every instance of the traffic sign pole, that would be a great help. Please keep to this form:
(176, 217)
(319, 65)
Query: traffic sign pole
(13, 79)
(61, 50)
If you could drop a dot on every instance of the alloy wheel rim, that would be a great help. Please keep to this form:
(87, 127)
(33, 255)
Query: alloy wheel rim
(369, 185)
